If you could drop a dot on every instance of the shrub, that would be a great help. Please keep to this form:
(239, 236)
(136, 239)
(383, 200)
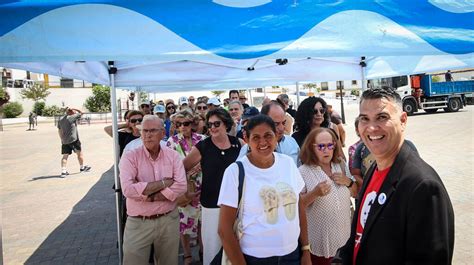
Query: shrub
(12, 109)
(53, 110)
(355, 92)
(39, 107)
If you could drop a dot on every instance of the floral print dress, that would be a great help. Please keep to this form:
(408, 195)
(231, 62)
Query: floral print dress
(189, 215)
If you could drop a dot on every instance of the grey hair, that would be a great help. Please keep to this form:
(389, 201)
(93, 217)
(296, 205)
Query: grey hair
(150, 117)
(237, 102)
(184, 114)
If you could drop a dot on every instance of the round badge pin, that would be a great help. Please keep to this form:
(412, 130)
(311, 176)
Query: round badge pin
(382, 198)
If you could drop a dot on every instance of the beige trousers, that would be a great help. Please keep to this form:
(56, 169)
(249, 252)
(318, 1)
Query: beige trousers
(139, 234)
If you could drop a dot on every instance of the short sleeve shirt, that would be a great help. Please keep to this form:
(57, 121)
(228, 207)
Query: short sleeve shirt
(270, 205)
(68, 126)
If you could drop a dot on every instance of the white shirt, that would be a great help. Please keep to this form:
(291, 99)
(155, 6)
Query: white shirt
(270, 205)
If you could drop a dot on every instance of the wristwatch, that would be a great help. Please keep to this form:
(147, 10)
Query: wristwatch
(306, 247)
(352, 181)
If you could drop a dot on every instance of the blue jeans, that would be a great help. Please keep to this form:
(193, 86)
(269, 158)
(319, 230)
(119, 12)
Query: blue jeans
(290, 259)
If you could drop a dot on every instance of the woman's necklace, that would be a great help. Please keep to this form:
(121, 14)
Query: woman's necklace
(217, 144)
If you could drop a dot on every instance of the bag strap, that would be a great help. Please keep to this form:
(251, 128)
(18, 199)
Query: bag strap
(241, 179)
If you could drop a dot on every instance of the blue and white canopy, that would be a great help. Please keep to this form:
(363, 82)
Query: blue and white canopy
(185, 44)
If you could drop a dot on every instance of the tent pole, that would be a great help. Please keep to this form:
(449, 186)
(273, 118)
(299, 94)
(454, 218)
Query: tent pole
(250, 96)
(118, 193)
(363, 64)
(297, 95)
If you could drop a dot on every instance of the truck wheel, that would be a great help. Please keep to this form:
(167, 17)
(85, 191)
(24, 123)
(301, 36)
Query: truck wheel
(454, 105)
(409, 107)
(431, 110)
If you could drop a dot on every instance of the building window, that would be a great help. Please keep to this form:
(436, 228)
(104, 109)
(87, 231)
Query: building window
(340, 84)
(67, 83)
(324, 86)
(354, 82)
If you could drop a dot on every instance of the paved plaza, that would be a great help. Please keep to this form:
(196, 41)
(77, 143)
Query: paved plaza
(50, 220)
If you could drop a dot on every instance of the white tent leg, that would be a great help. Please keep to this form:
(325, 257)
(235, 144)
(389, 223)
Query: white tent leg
(249, 92)
(118, 194)
(297, 95)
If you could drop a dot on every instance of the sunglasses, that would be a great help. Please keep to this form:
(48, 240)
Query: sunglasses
(185, 124)
(144, 106)
(216, 124)
(191, 99)
(136, 120)
(202, 107)
(171, 107)
(322, 147)
(321, 111)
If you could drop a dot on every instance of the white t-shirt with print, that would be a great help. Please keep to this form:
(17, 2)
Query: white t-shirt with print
(270, 205)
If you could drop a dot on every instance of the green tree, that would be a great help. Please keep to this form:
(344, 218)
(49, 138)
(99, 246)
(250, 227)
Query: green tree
(435, 78)
(38, 107)
(217, 93)
(36, 92)
(311, 86)
(100, 99)
(4, 96)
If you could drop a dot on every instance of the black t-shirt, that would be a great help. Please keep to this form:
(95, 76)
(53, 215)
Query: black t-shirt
(214, 161)
(124, 139)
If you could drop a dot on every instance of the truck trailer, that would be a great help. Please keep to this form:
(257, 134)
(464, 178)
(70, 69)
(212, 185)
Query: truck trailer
(421, 92)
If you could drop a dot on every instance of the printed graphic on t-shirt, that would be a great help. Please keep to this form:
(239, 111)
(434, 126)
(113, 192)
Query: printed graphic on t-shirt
(283, 195)
(364, 213)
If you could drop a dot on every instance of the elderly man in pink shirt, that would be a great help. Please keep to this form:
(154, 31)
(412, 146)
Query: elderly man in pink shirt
(152, 177)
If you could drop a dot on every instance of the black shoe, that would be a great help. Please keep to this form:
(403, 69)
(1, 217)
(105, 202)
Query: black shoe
(64, 174)
(85, 168)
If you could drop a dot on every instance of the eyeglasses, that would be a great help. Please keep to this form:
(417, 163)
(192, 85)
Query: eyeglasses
(151, 131)
(171, 107)
(321, 111)
(234, 109)
(185, 124)
(322, 147)
(216, 124)
(202, 107)
(136, 120)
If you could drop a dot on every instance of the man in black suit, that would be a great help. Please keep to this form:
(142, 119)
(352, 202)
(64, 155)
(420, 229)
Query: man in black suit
(403, 212)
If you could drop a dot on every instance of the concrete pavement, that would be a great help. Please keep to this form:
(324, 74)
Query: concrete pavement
(49, 220)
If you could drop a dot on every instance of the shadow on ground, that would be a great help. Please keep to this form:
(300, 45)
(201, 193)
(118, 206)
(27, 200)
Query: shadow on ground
(89, 234)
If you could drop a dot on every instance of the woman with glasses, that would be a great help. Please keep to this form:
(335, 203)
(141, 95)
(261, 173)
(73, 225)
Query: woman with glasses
(190, 207)
(128, 130)
(312, 113)
(326, 195)
(201, 107)
(214, 154)
(272, 215)
(199, 125)
(170, 110)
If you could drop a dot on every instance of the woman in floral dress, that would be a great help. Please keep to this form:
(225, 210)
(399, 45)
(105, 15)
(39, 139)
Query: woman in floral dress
(190, 207)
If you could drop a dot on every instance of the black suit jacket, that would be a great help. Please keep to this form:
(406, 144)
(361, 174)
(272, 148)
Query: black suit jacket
(415, 224)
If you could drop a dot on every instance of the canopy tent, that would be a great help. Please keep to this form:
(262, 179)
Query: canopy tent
(202, 44)
(189, 44)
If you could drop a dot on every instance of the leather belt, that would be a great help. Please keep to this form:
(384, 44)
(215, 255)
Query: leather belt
(152, 217)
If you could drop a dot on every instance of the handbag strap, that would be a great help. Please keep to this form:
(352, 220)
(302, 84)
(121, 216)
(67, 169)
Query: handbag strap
(241, 180)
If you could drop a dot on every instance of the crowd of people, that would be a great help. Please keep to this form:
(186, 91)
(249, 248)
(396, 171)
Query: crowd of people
(273, 186)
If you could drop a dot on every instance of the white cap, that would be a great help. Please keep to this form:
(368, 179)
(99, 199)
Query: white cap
(214, 101)
(183, 100)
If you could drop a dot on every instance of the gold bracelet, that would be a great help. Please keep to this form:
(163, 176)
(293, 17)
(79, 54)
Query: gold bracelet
(306, 247)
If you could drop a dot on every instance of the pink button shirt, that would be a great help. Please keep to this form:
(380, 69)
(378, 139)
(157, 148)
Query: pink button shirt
(137, 169)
